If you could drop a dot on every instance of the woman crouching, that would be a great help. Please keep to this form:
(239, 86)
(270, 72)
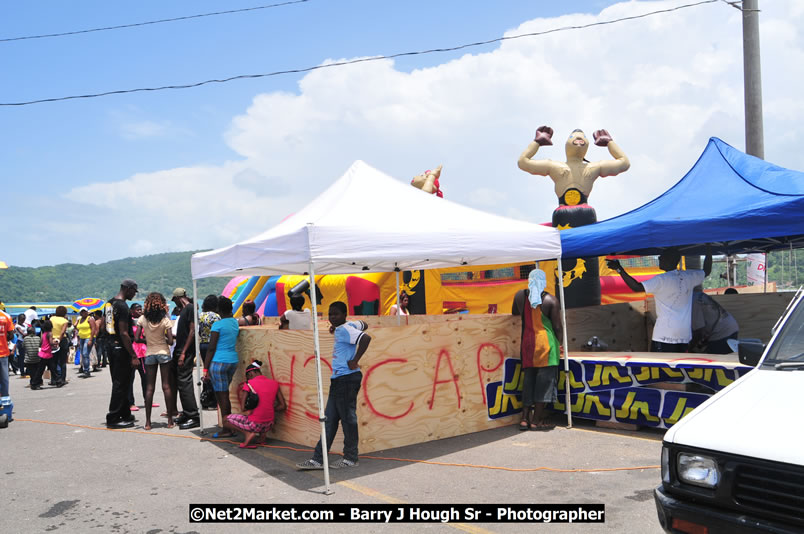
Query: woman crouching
(255, 423)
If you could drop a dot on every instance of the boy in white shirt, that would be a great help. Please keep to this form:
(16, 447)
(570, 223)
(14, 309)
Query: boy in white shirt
(296, 318)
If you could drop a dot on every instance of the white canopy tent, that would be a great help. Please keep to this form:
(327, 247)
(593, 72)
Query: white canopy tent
(357, 225)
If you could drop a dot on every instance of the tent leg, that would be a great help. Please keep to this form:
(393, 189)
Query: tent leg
(728, 271)
(398, 315)
(321, 418)
(197, 358)
(567, 397)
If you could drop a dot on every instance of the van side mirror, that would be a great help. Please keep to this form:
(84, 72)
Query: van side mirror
(750, 351)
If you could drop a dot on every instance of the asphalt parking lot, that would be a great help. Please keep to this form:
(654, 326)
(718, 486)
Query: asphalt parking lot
(64, 472)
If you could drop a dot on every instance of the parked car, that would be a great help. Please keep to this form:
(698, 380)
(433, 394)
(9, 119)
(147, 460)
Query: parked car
(736, 463)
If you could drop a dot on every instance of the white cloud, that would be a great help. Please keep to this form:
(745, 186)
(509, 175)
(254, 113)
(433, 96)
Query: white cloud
(661, 86)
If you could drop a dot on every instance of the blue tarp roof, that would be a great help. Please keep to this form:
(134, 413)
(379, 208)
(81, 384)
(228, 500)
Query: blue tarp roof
(734, 201)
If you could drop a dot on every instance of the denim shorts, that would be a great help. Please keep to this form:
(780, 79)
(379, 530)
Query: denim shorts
(539, 384)
(153, 359)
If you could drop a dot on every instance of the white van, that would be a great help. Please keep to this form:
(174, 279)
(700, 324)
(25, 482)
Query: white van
(736, 463)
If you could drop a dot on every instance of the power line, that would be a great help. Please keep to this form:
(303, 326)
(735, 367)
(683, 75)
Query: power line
(151, 22)
(359, 60)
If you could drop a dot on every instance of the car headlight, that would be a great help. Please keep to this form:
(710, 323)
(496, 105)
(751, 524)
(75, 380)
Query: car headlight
(698, 470)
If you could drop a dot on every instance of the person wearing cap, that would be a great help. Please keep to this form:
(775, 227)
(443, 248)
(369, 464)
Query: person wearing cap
(86, 331)
(672, 291)
(122, 358)
(257, 422)
(183, 362)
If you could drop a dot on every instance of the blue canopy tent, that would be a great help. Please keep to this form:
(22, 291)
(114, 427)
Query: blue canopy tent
(735, 202)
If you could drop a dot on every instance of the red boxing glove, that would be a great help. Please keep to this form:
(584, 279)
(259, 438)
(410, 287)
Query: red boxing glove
(601, 137)
(544, 135)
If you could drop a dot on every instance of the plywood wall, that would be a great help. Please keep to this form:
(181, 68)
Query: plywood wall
(420, 382)
(427, 379)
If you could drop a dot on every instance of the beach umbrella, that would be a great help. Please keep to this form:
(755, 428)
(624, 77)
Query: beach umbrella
(90, 303)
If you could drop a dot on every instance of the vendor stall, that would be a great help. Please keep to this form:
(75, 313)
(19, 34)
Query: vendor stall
(348, 228)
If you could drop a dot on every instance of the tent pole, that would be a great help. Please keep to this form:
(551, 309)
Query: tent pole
(197, 358)
(321, 418)
(765, 271)
(567, 397)
(728, 271)
(398, 315)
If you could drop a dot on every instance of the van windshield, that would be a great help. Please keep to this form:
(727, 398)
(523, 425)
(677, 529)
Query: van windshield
(788, 347)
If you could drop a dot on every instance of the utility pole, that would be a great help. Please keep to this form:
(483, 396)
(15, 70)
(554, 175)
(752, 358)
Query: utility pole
(752, 80)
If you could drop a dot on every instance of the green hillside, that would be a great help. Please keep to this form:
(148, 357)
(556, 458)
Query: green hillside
(70, 281)
(164, 272)
(785, 267)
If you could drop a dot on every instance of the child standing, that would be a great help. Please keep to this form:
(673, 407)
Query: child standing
(296, 318)
(350, 345)
(31, 343)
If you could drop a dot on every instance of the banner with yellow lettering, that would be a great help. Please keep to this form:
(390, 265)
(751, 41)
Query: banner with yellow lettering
(623, 392)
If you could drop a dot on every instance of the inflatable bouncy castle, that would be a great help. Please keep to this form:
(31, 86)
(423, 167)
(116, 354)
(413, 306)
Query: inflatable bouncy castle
(474, 290)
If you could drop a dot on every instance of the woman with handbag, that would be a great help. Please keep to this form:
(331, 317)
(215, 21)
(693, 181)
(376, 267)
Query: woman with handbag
(260, 399)
(221, 361)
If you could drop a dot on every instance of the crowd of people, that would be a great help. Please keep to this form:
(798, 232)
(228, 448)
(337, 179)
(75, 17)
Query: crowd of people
(43, 344)
(144, 338)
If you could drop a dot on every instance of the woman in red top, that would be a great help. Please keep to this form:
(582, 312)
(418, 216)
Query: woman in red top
(260, 420)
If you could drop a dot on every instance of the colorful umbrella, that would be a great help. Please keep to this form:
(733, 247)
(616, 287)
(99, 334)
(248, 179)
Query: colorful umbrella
(90, 303)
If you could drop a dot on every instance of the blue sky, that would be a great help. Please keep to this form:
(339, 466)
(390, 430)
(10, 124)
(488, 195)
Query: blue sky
(125, 175)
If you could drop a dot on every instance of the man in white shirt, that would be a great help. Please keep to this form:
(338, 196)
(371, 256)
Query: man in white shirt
(672, 291)
(31, 315)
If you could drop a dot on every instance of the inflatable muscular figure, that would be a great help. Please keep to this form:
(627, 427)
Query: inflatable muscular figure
(573, 184)
(428, 182)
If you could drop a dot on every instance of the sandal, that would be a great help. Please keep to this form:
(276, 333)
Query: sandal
(523, 425)
(249, 446)
(221, 435)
